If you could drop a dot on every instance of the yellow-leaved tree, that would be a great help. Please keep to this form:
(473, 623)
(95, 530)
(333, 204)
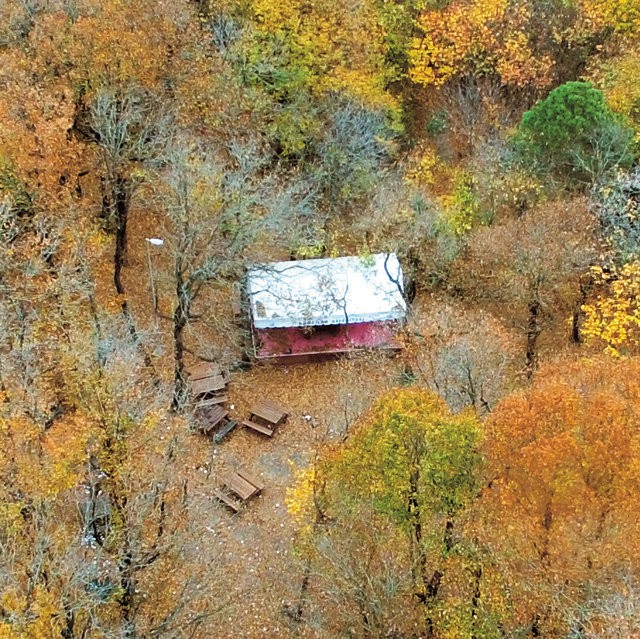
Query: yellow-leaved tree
(383, 519)
(523, 42)
(618, 80)
(614, 320)
(450, 38)
(334, 46)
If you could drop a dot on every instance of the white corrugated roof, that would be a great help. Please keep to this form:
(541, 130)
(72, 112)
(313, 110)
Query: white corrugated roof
(341, 290)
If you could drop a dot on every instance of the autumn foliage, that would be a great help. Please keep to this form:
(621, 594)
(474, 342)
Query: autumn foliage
(613, 320)
(563, 468)
(522, 42)
(448, 490)
(550, 510)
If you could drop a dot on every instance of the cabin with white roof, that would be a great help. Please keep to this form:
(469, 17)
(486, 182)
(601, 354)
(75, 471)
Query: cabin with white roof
(309, 308)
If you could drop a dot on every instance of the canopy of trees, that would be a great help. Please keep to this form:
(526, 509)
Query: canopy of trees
(491, 524)
(477, 483)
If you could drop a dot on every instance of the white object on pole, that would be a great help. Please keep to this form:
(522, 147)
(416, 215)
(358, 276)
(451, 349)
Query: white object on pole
(156, 241)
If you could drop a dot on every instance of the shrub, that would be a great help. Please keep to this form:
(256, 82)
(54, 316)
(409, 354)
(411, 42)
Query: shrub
(574, 134)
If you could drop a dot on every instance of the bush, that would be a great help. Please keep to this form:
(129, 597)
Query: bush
(574, 134)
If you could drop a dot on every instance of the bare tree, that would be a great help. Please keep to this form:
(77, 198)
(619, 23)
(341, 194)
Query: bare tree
(358, 579)
(468, 357)
(218, 205)
(617, 205)
(533, 265)
(135, 574)
(129, 130)
(612, 611)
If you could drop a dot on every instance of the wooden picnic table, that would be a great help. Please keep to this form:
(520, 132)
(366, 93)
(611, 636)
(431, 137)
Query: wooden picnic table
(268, 411)
(243, 485)
(212, 417)
(208, 385)
(240, 484)
(203, 370)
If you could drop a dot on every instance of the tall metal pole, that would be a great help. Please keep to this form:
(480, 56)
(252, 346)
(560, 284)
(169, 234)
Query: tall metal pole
(154, 298)
(156, 241)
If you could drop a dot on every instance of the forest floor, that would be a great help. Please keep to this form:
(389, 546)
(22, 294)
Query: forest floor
(256, 547)
(252, 554)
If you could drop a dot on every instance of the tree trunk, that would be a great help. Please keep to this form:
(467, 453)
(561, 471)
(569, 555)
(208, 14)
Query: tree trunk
(585, 286)
(126, 598)
(533, 332)
(419, 567)
(547, 522)
(535, 626)
(475, 602)
(428, 584)
(121, 202)
(118, 201)
(180, 321)
(69, 622)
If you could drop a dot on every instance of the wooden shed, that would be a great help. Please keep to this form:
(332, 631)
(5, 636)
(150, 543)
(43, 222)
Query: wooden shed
(312, 308)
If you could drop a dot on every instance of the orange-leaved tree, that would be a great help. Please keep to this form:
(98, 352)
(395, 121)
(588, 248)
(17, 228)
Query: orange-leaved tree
(559, 512)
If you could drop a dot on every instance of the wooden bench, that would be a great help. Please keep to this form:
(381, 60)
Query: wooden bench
(265, 430)
(224, 430)
(211, 401)
(228, 500)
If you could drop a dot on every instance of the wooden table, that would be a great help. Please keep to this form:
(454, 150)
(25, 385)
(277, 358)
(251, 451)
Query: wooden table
(212, 417)
(207, 385)
(268, 411)
(239, 484)
(203, 370)
(243, 484)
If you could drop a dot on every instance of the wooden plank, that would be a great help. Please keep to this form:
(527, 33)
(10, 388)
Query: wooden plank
(251, 479)
(265, 430)
(240, 486)
(203, 370)
(228, 500)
